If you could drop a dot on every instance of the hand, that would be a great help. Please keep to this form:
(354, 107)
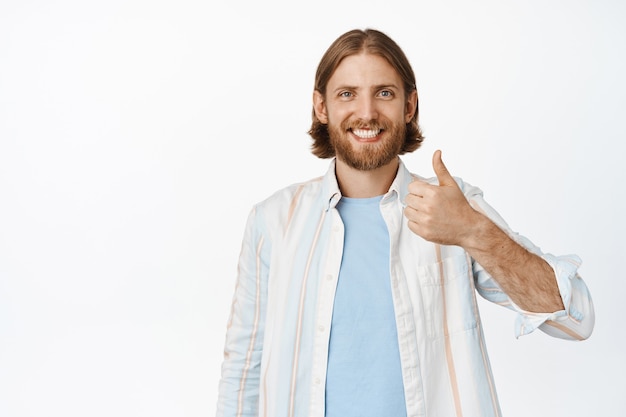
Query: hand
(440, 213)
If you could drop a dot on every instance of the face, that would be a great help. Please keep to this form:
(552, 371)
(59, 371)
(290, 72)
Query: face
(366, 111)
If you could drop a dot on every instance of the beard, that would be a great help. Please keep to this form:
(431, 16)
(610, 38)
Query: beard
(367, 156)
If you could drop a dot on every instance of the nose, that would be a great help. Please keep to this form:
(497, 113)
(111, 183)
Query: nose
(367, 109)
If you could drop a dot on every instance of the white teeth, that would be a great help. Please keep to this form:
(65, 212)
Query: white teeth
(366, 133)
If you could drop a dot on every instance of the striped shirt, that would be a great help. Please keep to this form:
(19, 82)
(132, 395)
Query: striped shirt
(277, 338)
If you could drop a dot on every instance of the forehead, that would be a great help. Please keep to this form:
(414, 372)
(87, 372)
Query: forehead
(364, 69)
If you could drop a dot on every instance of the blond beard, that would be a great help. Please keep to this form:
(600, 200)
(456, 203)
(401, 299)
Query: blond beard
(368, 156)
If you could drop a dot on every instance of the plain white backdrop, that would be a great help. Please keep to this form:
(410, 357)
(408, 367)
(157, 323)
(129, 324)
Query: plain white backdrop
(135, 136)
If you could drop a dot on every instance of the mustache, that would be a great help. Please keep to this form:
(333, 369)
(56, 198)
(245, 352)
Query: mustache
(364, 124)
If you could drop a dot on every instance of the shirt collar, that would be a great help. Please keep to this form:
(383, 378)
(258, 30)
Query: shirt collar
(330, 187)
(399, 187)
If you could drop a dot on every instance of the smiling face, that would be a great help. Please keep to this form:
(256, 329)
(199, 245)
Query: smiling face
(366, 111)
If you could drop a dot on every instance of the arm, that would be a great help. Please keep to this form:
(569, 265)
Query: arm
(542, 288)
(239, 384)
(524, 276)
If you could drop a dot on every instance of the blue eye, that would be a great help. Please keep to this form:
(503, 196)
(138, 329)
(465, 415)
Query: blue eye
(345, 94)
(386, 93)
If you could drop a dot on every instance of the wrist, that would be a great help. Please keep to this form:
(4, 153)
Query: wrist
(480, 234)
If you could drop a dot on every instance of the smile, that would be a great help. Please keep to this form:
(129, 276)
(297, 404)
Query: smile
(366, 133)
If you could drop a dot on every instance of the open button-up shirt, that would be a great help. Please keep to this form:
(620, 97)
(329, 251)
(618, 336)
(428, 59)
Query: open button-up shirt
(277, 337)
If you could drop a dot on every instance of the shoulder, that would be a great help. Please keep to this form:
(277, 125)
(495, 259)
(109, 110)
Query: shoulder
(271, 217)
(277, 211)
(287, 196)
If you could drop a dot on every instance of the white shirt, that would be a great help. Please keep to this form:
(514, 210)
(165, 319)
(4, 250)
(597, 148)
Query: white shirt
(277, 338)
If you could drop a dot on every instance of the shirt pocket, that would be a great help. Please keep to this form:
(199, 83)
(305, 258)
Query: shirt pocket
(448, 295)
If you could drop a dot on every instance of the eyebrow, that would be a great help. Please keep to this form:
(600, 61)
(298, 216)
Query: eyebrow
(374, 88)
(382, 86)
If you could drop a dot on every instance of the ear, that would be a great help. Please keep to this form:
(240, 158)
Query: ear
(319, 107)
(411, 106)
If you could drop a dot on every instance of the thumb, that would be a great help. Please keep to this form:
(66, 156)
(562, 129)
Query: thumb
(443, 175)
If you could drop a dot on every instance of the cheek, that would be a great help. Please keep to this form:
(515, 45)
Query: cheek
(337, 113)
(399, 112)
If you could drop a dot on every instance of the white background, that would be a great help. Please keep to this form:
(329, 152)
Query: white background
(136, 135)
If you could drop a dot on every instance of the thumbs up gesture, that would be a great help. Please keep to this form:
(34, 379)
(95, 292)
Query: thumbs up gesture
(440, 213)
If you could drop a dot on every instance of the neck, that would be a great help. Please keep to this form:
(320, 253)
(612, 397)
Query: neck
(364, 184)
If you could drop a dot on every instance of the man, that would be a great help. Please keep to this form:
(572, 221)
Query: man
(356, 291)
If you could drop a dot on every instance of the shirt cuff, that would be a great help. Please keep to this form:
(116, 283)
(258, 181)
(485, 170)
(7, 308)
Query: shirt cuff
(565, 269)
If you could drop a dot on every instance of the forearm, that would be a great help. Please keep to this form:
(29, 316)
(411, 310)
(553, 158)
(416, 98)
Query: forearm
(524, 276)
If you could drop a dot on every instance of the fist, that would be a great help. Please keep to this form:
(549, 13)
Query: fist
(439, 213)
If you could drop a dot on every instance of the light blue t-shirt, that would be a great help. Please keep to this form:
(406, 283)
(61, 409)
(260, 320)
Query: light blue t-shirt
(364, 377)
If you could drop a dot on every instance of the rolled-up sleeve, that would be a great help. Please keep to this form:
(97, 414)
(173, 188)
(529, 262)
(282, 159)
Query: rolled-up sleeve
(576, 321)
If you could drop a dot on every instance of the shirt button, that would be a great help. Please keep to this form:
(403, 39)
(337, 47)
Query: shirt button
(329, 277)
(317, 381)
(320, 328)
(336, 229)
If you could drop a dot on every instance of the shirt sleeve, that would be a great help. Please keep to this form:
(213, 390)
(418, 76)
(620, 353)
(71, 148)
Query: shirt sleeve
(575, 322)
(239, 384)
